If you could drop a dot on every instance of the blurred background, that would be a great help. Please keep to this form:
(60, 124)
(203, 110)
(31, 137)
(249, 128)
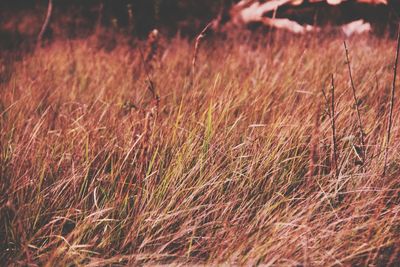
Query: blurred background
(21, 20)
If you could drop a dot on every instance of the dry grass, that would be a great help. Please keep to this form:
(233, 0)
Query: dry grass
(93, 173)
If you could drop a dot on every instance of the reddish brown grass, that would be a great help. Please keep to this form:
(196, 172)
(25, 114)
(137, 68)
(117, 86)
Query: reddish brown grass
(91, 174)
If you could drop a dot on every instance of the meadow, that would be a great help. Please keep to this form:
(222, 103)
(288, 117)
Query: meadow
(250, 150)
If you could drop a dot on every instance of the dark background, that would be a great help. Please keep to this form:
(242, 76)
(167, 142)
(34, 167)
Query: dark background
(170, 15)
(20, 20)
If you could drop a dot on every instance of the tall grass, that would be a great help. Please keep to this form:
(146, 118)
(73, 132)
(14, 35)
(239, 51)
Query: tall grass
(236, 170)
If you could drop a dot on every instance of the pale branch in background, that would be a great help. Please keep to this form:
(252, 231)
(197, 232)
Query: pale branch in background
(46, 23)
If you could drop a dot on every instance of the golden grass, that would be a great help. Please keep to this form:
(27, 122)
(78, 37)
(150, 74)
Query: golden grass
(93, 173)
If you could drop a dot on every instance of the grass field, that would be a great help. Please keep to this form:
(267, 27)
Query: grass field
(242, 160)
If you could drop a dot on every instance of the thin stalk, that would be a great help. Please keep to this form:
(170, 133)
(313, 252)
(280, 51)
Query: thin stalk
(151, 85)
(333, 124)
(356, 102)
(390, 118)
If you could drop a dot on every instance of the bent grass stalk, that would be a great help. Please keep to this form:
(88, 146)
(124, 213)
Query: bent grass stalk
(45, 23)
(196, 50)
